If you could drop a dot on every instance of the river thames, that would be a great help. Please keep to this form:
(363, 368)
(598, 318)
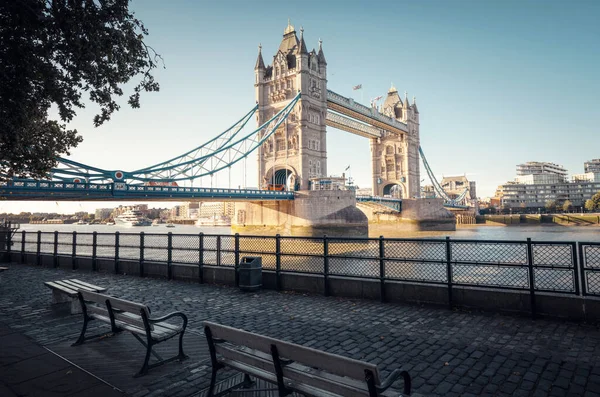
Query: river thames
(535, 232)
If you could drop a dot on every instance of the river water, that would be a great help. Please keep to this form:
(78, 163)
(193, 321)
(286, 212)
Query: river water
(471, 232)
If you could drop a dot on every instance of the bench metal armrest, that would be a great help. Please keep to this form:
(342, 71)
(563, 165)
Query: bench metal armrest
(393, 377)
(168, 316)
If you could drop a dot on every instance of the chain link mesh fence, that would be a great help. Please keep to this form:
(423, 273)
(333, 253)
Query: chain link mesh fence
(302, 255)
(185, 249)
(590, 254)
(129, 246)
(85, 244)
(497, 264)
(354, 257)
(210, 250)
(105, 245)
(155, 247)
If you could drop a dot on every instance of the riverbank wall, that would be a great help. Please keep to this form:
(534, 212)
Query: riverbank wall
(532, 219)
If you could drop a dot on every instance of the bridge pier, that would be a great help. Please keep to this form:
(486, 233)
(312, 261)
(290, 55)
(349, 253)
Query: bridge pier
(416, 215)
(311, 213)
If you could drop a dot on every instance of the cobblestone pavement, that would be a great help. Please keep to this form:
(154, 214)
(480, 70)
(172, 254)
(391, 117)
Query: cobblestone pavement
(448, 353)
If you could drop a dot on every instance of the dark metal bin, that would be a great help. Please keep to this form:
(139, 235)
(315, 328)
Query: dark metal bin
(250, 273)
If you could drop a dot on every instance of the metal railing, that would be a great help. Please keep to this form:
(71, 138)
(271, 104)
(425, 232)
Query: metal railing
(568, 268)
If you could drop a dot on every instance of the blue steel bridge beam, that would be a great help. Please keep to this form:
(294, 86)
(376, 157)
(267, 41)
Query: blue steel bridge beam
(60, 191)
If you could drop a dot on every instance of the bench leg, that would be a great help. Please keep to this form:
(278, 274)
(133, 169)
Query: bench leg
(144, 369)
(181, 355)
(213, 381)
(82, 334)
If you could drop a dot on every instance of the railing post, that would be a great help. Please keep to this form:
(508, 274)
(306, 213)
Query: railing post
(117, 252)
(581, 269)
(236, 256)
(39, 248)
(74, 251)
(141, 254)
(55, 251)
(8, 242)
(382, 269)
(23, 238)
(531, 277)
(201, 258)
(326, 265)
(94, 251)
(449, 271)
(169, 255)
(278, 262)
(218, 250)
(575, 268)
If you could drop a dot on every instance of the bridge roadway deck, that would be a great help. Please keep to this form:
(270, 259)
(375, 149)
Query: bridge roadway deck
(447, 353)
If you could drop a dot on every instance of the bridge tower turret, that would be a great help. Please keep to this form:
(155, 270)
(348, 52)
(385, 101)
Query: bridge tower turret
(395, 157)
(297, 151)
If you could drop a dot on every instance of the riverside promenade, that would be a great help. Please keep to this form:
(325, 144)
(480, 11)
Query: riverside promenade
(447, 353)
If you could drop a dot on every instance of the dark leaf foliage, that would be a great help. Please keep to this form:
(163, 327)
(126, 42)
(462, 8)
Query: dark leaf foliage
(52, 52)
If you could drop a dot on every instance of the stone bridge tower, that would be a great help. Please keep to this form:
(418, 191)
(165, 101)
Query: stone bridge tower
(297, 151)
(395, 157)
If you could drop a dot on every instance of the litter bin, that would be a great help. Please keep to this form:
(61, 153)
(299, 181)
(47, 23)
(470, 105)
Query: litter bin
(250, 273)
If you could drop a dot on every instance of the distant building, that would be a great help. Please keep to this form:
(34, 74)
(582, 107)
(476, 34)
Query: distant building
(143, 208)
(427, 191)
(592, 166)
(538, 167)
(365, 191)
(454, 186)
(175, 212)
(103, 213)
(186, 210)
(587, 177)
(210, 209)
(547, 182)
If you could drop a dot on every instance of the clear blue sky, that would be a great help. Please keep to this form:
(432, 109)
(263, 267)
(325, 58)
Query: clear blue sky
(497, 82)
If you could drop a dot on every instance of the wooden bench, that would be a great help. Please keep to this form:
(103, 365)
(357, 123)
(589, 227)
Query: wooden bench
(66, 291)
(123, 315)
(294, 368)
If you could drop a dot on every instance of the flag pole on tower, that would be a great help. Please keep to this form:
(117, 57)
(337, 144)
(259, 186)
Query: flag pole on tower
(359, 87)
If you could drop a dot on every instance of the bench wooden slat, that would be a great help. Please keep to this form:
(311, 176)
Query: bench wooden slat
(93, 287)
(130, 318)
(333, 363)
(128, 306)
(125, 311)
(94, 297)
(97, 310)
(77, 286)
(301, 374)
(60, 287)
(68, 286)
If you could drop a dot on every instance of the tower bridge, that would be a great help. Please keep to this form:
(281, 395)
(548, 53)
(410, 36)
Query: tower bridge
(293, 108)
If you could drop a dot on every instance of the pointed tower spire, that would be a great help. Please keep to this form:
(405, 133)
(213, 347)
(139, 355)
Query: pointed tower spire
(260, 64)
(302, 48)
(289, 28)
(321, 55)
(406, 103)
(414, 105)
